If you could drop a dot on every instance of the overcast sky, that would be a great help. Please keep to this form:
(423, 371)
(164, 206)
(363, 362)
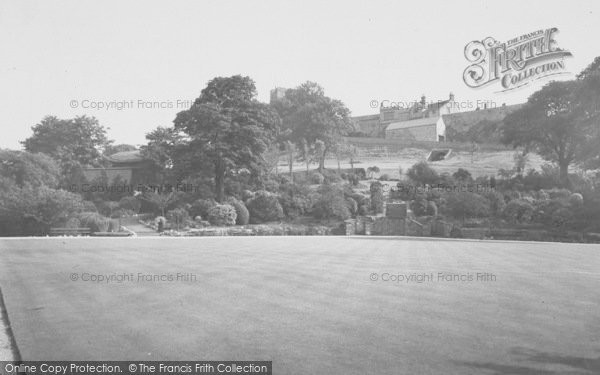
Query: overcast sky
(60, 54)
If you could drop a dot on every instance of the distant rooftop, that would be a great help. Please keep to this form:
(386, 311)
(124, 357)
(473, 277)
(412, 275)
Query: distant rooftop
(413, 123)
(126, 157)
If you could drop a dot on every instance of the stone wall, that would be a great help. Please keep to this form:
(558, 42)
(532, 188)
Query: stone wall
(418, 133)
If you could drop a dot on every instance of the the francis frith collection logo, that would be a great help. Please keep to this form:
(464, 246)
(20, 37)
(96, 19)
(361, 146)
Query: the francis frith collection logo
(514, 63)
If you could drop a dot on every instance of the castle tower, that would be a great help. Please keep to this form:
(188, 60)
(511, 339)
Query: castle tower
(277, 93)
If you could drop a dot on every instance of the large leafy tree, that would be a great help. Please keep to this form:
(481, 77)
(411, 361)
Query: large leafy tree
(557, 122)
(81, 139)
(74, 143)
(27, 169)
(227, 128)
(165, 146)
(312, 118)
(29, 204)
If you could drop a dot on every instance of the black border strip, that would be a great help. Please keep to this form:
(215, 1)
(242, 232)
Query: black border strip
(13, 343)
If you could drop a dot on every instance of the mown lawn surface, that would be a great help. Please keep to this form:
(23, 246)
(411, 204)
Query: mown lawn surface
(309, 304)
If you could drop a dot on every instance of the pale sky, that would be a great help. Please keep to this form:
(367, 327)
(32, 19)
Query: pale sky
(56, 53)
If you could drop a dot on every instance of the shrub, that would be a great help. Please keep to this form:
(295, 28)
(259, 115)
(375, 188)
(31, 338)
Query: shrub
(89, 206)
(130, 203)
(222, 215)
(518, 211)
(576, 200)
(419, 206)
(178, 216)
(432, 209)
(331, 204)
(271, 185)
(497, 203)
(456, 232)
(363, 209)
(372, 170)
(422, 173)
(377, 197)
(561, 217)
(331, 177)
(316, 178)
(559, 193)
(353, 179)
(264, 207)
(462, 175)
(113, 225)
(73, 223)
(247, 195)
(94, 221)
(384, 177)
(466, 205)
(243, 216)
(352, 206)
(296, 200)
(201, 207)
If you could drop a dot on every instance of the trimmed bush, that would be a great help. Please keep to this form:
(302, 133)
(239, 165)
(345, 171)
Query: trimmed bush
(518, 211)
(352, 206)
(467, 205)
(377, 197)
(222, 215)
(201, 207)
(419, 206)
(384, 177)
(422, 173)
(243, 216)
(264, 207)
(331, 205)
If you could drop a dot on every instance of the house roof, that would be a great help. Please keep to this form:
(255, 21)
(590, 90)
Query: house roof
(366, 117)
(438, 105)
(413, 123)
(126, 157)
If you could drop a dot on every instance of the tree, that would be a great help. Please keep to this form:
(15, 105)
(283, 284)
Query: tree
(228, 127)
(422, 173)
(290, 149)
(548, 124)
(33, 210)
(165, 145)
(79, 141)
(161, 200)
(27, 169)
(560, 122)
(312, 116)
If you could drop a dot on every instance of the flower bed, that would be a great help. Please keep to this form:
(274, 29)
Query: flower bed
(254, 230)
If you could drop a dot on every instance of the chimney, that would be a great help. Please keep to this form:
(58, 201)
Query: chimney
(451, 97)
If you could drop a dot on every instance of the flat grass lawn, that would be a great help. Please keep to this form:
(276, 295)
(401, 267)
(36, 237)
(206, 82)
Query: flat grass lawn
(309, 304)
